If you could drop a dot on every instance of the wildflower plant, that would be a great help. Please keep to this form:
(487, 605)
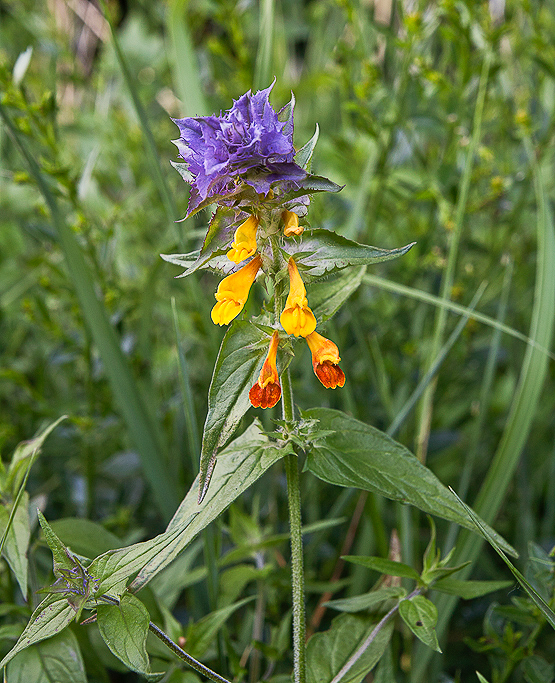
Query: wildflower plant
(244, 162)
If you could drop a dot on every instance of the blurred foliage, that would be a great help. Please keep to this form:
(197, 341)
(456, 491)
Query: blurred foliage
(393, 88)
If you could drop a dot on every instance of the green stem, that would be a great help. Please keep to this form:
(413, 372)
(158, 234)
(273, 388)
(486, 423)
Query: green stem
(191, 661)
(297, 570)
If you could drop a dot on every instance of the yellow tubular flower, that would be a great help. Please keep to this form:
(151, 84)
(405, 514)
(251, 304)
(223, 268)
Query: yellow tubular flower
(233, 292)
(244, 240)
(325, 357)
(291, 224)
(297, 318)
(266, 392)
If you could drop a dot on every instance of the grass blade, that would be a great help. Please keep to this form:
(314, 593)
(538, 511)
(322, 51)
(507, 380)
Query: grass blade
(133, 409)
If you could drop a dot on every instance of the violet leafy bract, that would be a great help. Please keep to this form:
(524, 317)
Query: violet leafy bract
(247, 145)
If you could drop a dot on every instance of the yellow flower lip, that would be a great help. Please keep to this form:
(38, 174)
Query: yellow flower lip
(244, 240)
(291, 224)
(297, 318)
(233, 292)
(325, 357)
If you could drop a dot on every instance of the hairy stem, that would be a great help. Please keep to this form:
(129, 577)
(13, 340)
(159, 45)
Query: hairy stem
(297, 570)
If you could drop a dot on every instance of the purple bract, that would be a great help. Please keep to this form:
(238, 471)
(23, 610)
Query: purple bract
(247, 145)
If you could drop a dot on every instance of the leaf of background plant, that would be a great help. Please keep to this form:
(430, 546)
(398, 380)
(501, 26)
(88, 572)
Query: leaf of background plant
(84, 537)
(484, 531)
(420, 615)
(202, 633)
(52, 615)
(239, 465)
(124, 629)
(327, 297)
(359, 455)
(537, 670)
(17, 539)
(242, 352)
(24, 452)
(328, 652)
(323, 252)
(57, 660)
(384, 566)
(359, 603)
(469, 589)
(481, 678)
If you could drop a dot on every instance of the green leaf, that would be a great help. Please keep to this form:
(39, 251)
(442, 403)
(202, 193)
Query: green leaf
(469, 589)
(57, 660)
(481, 678)
(52, 615)
(84, 537)
(356, 454)
(359, 603)
(321, 252)
(537, 670)
(304, 156)
(329, 651)
(241, 355)
(26, 452)
(63, 559)
(384, 566)
(124, 629)
(17, 538)
(203, 633)
(317, 183)
(114, 567)
(239, 465)
(486, 532)
(420, 615)
(327, 297)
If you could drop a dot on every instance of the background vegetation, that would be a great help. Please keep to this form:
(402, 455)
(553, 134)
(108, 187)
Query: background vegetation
(439, 120)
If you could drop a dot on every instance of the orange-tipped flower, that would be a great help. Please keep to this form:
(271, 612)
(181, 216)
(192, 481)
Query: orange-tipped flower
(266, 391)
(325, 357)
(233, 292)
(291, 224)
(244, 240)
(297, 318)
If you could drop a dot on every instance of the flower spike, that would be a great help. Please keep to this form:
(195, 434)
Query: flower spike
(325, 357)
(266, 392)
(233, 292)
(244, 240)
(297, 318)
(291, 224)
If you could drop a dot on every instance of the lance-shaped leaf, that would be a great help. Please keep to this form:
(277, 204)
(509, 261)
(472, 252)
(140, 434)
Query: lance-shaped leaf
(193, 261)
(56, 660)
(321, 252)
(124, 629)
(239, 465)
(304, 155)
(241, 355)
(356, 454)
(51, 616)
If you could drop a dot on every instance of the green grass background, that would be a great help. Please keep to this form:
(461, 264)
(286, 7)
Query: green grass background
(439, 120)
